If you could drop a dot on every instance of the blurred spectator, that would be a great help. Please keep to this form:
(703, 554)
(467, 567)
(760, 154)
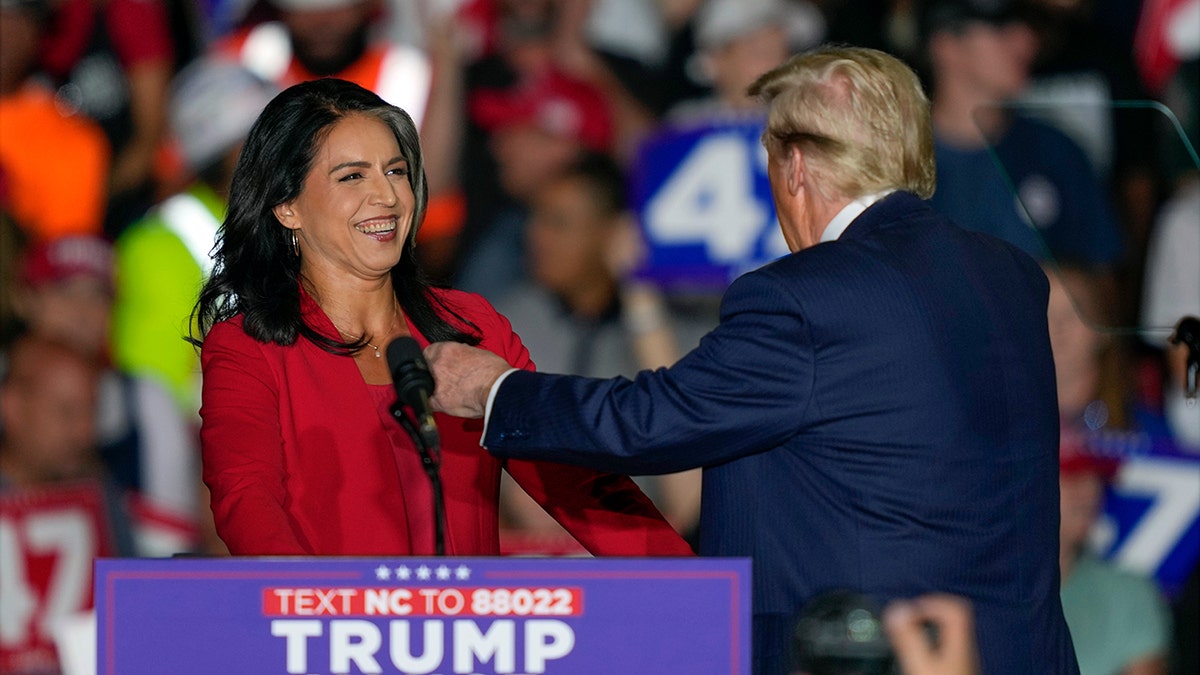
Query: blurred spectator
(1098, 404)
(13, 241)
(1165, 40)
(1043, 196)
(1171, 289)
(580, 314)
(1093, 389)
(50, 475)
(333, 38)
(1082, 70)
(46, 152)
(65, 294)
(1082, 66)
(113, 60)
(738, 40)
(163, 260)
(1171, 292)
(532, 121)
(1119, 621)
(344, 39)
(889, 25)
(48, 405)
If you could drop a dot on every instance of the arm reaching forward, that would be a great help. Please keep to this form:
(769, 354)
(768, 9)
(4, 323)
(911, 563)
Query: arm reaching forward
(463, 377)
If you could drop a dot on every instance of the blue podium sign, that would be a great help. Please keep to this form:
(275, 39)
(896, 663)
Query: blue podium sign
(332, 616)
(704, 203)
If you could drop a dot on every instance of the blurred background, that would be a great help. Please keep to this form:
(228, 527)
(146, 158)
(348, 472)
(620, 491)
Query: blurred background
(595, 172)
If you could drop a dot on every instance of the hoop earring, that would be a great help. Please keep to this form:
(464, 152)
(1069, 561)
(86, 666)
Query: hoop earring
(295, 244)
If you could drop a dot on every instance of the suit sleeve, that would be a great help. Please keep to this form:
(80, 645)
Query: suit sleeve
(607, 513)
(242, 446)
(746, 388)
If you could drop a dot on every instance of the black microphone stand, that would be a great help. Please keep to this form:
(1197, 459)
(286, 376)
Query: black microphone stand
(431, 460)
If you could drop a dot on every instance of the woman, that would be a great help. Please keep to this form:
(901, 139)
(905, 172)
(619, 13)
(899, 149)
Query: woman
(314, 276)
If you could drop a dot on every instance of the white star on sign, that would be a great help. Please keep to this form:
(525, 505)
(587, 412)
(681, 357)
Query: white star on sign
(382, 572)
(423, 573)
(402, 572)
(443, 572)
(462, 572)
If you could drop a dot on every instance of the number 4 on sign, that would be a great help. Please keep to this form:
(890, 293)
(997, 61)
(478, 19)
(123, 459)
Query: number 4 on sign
(710, 199)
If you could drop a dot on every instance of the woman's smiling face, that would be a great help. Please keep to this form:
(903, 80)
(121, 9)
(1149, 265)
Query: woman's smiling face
(355, 211)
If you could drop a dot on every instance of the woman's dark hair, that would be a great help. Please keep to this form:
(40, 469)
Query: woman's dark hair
(256, 271)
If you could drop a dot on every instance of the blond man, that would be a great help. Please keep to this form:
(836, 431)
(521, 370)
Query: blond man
(875, 411)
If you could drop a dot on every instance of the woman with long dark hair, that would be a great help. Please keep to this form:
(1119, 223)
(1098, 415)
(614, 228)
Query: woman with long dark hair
(314, 275)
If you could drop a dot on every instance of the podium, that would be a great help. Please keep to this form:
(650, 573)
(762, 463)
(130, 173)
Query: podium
(334, 616)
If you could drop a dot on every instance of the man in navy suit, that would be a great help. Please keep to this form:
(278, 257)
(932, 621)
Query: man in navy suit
(875, 411)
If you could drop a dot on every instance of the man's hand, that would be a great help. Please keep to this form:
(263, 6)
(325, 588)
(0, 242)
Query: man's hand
(463, 377)
(907, 622)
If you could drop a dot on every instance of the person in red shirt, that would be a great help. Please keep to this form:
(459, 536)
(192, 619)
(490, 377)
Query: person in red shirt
(113, 60)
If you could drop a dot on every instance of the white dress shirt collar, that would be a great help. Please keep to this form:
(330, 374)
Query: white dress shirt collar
(849, 212)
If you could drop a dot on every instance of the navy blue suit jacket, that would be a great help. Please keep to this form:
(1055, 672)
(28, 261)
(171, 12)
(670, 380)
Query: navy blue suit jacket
(876, 413)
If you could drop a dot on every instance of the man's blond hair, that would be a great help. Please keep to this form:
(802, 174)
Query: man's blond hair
(859, 115)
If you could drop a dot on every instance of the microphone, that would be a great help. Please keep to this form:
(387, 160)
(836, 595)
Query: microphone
(414, 385)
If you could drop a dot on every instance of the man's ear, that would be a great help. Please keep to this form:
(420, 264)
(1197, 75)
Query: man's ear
(286, 215)
(796, 171)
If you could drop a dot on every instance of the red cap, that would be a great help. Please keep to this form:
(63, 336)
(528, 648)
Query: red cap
(555, 104)
(67, 257)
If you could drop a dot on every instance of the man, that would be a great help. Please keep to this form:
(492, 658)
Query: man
(581, 313)
(536, 129)
(65, 293)
(51, 475)
(1119, 621)
(1001, 171)
(875, 411)
(163, 259)
(47, 406)
(736, 41)
(46, 150)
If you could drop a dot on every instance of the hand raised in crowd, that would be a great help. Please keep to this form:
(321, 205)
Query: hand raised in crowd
(951, 651)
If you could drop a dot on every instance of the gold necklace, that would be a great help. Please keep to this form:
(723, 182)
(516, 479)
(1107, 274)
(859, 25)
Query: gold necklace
(347, 337)
(377, 355)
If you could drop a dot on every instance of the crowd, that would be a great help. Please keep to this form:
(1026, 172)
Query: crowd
(122, 121)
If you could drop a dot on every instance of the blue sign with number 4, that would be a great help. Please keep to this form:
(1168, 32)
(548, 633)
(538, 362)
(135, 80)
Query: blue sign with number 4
(704, 203)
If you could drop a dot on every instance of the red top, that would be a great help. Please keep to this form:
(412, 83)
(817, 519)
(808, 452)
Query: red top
(299, 461)
(137, 28)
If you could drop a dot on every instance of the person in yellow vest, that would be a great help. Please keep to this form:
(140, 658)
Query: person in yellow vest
(163, 259)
